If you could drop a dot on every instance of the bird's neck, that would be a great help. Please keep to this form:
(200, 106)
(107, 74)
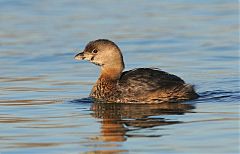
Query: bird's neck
(106, 85)
(111, 73)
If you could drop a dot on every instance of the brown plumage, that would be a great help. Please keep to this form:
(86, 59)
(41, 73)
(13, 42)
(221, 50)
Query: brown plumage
(141, 85)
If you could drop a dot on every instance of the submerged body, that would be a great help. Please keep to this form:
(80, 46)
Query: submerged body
(142, 85)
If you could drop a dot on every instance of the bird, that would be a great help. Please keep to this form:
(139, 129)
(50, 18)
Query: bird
(139, 85)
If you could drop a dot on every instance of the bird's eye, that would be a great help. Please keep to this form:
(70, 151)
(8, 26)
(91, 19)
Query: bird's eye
(94, 51)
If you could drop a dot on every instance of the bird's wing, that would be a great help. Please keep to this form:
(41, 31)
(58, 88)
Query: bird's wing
(141, 81)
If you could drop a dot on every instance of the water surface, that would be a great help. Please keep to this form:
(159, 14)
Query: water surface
(43, 91)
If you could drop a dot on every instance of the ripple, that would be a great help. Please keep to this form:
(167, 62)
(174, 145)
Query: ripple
(32, 89)
(34, 145)
(17, 79)
(219, 95)
(11, 119)
(26, 102)
(82, 100)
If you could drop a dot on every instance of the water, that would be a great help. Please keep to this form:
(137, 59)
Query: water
(43, 91)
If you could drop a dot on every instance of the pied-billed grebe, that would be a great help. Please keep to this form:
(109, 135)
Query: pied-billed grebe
(142, 85)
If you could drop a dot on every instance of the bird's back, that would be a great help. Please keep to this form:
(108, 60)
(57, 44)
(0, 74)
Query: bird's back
(148, 85)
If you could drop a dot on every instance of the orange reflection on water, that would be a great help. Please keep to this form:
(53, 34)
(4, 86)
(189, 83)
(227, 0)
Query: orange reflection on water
(117, 118)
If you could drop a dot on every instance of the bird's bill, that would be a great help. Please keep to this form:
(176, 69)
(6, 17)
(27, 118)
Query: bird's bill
(79, 56)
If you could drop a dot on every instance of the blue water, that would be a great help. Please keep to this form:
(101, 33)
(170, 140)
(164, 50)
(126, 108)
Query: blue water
(43, 91)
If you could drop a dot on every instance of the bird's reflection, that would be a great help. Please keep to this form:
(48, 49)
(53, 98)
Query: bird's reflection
(118, 119)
